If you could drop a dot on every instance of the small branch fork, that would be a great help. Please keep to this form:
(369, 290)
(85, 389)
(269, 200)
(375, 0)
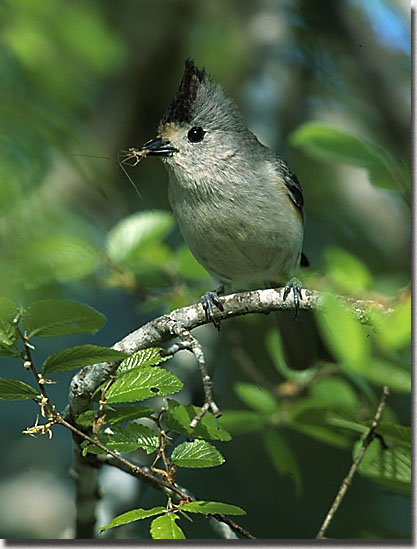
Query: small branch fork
(191, 343)
(354, 467)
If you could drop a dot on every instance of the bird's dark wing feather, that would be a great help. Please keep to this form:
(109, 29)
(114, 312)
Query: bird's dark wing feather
(292, 184)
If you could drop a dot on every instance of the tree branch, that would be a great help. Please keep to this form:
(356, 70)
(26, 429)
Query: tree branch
(167, 327)
(354, 467)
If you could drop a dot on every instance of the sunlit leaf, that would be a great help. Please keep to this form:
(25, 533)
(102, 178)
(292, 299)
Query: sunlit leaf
(211, 507)
(131, 516)
(145, 357)
(348, 272)
(196, 454)
(256, 397)
(141, 383)
(165, 528)
(126, 240)
(343, 333)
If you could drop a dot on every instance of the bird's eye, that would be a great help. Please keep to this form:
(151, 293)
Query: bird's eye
(196, 134)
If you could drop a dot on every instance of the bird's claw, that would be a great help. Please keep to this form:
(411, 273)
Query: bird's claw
(295, 286)
(209, 299)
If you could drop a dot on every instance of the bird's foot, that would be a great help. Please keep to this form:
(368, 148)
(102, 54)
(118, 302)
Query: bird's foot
(208, 300)
(295, 286)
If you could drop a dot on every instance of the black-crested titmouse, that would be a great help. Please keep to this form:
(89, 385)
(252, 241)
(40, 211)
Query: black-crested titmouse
(238, 204)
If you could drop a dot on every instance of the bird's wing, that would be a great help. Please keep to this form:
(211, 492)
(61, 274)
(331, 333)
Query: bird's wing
(293, 185)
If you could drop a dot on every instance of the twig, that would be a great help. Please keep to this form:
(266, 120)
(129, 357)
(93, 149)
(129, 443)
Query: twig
(354, 467)
(182, 492)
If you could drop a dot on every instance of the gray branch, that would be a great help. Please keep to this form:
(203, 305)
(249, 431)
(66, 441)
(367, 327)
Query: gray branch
(167, 327)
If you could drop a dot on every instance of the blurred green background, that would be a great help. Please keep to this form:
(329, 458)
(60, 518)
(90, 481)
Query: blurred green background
(83, 80)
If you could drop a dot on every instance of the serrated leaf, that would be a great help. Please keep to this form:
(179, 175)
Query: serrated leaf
(165, 528)
(282, 457)
(115, 415)
(130, 438)
(343, 333)
(256, 397)
(212, 508)
(59, 317)
(141, 383)
(196, 454)
(121, 439)
(13, 389)
(240, 422)
(145, 357)
(79, 356)
(390, 467)
(180, 416)
(131, 516)
(129, 236)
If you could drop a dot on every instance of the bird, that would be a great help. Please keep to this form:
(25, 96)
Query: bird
(238, 204)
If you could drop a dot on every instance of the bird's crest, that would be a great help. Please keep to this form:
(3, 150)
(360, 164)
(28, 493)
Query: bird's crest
(181, 108)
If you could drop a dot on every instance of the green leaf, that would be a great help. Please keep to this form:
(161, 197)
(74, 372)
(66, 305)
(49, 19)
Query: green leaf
(77, 357)
(390, 467)
(393, 331)
(256, 397)
(334, 392)
(325, 143)
(131, 437)
(131, 235)
(343, 333)
(115, 415)
(348, 272)
(306, 418)
(121, 439)
(241, 422)
(59, 258)
(8, 330)
(274, 345)
(282, 457)
(196, 454)
(180, 416)
(145, 357)
(338, 420)
(398, 434)
(8, 309)
(141, 383)
(211, 508)
(12, 389)
(131, 516)
(188, 267)
(58, 317)
(165, 528)
(381, 372)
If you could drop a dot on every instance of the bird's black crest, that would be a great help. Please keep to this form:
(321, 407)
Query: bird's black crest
(181, 108)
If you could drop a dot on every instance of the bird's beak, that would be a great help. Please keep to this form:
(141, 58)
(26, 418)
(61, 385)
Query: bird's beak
(158, 147)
